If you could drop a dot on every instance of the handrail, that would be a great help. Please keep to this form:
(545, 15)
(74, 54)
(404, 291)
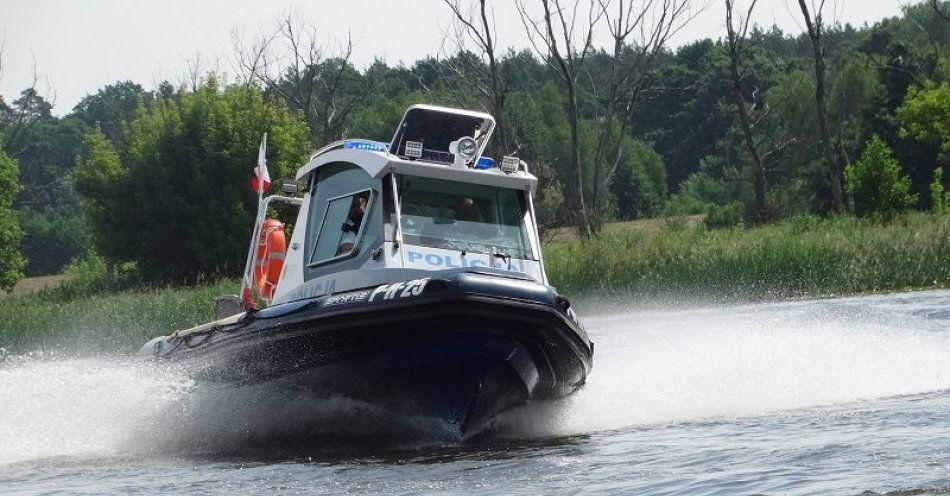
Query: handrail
(398, 209)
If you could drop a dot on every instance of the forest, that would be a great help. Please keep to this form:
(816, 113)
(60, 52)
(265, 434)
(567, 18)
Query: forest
(754, 127)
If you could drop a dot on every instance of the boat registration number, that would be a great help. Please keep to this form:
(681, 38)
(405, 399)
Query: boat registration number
(396, 290)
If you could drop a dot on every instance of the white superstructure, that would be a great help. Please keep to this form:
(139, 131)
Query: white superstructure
(427, 201)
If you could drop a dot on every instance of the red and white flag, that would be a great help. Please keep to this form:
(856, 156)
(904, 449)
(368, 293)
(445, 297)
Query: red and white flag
(260, 183)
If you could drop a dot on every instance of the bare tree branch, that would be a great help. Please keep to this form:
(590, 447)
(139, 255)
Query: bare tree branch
(568, 47)
(815, 33)
(640, 31)
(488, 77)
(936, 6)
(292, 64)
(22, 113)
(735, 38)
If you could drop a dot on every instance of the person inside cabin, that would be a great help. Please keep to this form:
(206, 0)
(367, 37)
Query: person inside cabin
(467, 211)
(469, 225)
(353, 222)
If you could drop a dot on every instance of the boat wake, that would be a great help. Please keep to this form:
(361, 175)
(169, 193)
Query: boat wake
(95, 408)
(661, 367)
(651, 367)
(79, 407)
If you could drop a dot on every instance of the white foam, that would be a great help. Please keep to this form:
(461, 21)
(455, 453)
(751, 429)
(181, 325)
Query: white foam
(93, 407)
(662, 367)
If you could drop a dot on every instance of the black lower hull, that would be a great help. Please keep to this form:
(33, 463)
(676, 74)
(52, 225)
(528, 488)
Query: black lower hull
(463, 381)
(456, 355)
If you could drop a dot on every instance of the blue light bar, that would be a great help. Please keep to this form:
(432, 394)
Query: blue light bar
(369, 146)
(485, 163)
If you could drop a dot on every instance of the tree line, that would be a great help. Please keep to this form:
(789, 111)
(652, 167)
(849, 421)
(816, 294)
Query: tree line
(752, 127)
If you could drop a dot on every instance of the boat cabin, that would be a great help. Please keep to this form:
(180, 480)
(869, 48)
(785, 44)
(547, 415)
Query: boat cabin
(426, 201)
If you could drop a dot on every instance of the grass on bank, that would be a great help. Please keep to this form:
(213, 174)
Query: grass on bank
(32, 284)
(103, 322)
(800, 257)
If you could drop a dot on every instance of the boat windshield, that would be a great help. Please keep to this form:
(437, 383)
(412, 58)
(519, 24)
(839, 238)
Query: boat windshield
(461, 216)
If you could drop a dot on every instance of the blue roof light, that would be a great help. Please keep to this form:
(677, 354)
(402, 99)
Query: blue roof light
(369, 146)
(485, 163)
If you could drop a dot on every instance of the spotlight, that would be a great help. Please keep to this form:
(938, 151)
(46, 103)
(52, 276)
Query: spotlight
(510, 164)
(414, 149)
(464, 150)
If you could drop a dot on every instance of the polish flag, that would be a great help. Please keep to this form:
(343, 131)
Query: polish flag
(260, 183)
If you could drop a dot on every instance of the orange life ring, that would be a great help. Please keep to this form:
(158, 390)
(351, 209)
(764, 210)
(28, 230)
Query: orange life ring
(271, 251)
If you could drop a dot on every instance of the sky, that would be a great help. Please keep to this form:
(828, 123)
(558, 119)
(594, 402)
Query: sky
(78, 46)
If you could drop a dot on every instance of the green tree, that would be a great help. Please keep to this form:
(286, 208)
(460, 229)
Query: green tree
(853, 91)
(20, 116)
(684, 119)
(639, 185)
(11, 262)
(538, 129)
(111, 106)
(98, 178)
(715, 187)
(47, 205)
(51, 239)
(876, 183)
(180, 204)
(925, 116)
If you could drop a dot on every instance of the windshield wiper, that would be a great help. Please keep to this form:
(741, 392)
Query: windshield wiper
(504, 257)
(493, 253)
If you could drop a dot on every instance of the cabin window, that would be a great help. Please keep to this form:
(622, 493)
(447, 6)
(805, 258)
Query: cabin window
(472, 218)
(342, 227)
(343, 220)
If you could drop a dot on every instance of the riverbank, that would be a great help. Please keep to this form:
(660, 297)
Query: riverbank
(32, 284)
(113, 322)
(681, 262)
(802, 257)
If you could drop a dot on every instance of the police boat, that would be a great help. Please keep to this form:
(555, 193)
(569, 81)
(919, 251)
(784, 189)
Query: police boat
(413, 280)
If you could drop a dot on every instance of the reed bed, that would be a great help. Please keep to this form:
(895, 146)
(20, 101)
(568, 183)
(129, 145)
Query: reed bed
(799, 257)
(103, 322)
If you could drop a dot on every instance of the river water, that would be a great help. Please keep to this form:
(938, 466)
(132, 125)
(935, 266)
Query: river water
(843, 396)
